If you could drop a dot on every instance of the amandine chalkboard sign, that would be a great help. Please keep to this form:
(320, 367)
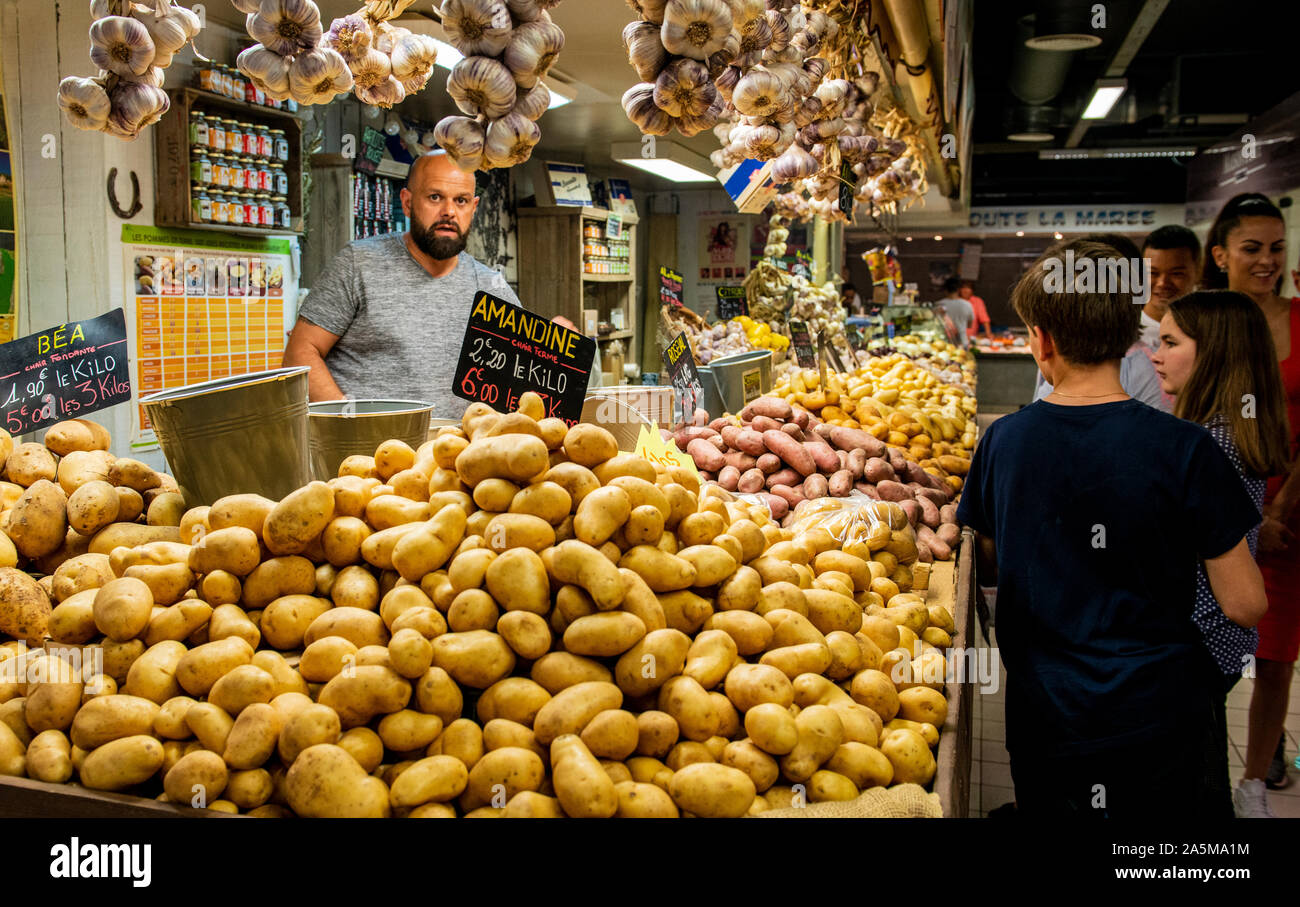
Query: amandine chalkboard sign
(64, 372)
(508, 350)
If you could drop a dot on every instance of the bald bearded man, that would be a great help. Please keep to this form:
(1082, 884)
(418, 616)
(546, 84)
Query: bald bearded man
(386, 319)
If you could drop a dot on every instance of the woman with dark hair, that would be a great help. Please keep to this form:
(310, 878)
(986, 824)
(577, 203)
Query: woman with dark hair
(1245, 251)
(1209, 361)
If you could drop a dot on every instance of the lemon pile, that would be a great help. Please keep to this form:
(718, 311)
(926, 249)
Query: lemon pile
(760, 334)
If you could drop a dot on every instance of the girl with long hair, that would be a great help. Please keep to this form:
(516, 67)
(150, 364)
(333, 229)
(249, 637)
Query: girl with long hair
(1216, 359)
(1245, 251)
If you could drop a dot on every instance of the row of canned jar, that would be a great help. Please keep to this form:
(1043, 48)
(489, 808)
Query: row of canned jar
(239, 209)
(211, 132)
(221, 79)
(231, 172)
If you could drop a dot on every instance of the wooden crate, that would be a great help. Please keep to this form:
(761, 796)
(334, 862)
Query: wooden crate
(172, 159)
(23, 798)
(952, 584)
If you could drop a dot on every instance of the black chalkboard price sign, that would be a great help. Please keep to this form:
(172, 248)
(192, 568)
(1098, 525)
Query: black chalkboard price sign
(64, 372)
(801, 342)
(856, 340)
(670, 286)
(371, 151)
(732, 303)
(679, 361)
(508, 350)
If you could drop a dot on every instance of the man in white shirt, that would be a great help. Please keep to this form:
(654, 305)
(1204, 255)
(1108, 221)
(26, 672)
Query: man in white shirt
(1175, 254)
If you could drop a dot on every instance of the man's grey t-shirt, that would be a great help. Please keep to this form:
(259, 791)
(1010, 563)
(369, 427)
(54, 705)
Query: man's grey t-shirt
(962, 314)
(400, 329)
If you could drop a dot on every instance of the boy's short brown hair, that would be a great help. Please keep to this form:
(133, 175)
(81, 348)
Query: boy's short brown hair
(1087, 327)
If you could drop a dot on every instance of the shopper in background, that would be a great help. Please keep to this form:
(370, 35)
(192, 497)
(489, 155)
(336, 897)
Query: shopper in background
(957, 311)
(1094, 511)
(1174, 254)
(851, 301)
(1245, 251)
(1209, 361)
(981, 319)
(1136, 373)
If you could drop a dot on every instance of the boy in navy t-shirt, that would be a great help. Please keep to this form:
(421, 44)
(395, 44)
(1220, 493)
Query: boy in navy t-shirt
(1096, 510)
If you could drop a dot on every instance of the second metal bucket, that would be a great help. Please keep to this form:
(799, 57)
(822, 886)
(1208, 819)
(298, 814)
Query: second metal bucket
(246, 433)
(341, 428)
(740, 379)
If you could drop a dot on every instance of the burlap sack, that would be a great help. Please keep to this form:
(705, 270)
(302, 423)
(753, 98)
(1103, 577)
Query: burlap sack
(904, 801)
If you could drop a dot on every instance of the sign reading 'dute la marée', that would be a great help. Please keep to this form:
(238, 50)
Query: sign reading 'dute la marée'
(508, 350)
(64, 372)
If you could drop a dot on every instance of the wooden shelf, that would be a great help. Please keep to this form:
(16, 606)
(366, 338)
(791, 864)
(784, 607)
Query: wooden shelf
(615, 335)
(242, 231)
(210, 99)
(588, 213)
(607, 278)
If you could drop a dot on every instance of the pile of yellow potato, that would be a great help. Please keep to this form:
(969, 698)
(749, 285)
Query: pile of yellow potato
(633, 644)
(760, 334)
(54, 497)
(893, 399)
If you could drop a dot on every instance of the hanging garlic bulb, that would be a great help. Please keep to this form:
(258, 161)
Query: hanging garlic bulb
(510, 140)
(695, 28)
(288, 27)
(386, 93)
(462, 139)
(724, 56)
(761, 142)
(534, 102)
(794, 163)
(684, 89)
(481, 85)
(268, 70)
(727, 81)
(477, 27)
(639, 105)
(121, 45)
(153, 76)
(524, 10)
(84, 102)
(135, 106)
(100, 9)
(369, 69)
(318, 76)
(387, 36)
(649, 10)
(247, 6)
(780, 27)
(413, 57)
(644, 49)
(169, 30)
(532, 51)
(759, 93)
(350, 36)
(754, 36)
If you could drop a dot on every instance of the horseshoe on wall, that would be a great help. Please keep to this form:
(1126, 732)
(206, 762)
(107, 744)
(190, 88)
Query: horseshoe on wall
(136, 204)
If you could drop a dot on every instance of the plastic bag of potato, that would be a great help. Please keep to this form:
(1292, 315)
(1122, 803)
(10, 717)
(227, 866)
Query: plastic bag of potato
(634, 645)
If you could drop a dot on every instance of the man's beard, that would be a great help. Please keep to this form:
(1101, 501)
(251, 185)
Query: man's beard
(437, 247)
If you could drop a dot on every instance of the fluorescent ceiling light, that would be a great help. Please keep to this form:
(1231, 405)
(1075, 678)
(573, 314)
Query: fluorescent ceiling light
(1077, 154)
(670, 161)
(1104, 96)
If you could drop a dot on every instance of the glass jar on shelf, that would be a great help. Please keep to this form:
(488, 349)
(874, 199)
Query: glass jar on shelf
(281, 145)
(265, 210)
(236, 173)
(216, 134)
(238, 84)
(283, 217)
(265, 144)
(220, 206)
(220, 170)
(250, 172)
(234, 136)
(280, 178)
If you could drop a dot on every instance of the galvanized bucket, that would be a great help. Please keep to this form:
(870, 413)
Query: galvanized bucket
(243, 434)
(740, 379)
(342, 428)
(709, 400)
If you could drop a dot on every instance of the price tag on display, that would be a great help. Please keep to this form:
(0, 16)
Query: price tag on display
(801, 342)
(680, 364)
(827, 349)
(651, 446)
(371, 153)
(732, 303)
(508, 351)
(856, 341)
(670, 286)
(64, 372)
(848, 179)
(614, 227)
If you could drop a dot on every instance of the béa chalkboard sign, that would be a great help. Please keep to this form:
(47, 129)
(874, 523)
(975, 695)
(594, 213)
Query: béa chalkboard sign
(508, 351)
(371, 151)
(848, 180)
(64, 372)
(732, 303)
(801, 342)
(670, 286)
(679, 361)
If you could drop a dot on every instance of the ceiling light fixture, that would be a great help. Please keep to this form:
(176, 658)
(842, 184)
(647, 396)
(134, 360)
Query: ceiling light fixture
(1020, 233)
(669, 161)
(1078, 154)
(1105, 94)
(938, 238)
(1057, 236)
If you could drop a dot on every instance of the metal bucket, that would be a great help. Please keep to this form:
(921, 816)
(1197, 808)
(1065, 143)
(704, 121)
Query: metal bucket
(741, 378)
(341, 428)
(709, 400)
(243, 434)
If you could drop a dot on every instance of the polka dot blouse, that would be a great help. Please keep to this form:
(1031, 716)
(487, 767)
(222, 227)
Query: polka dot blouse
(1229, 643)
